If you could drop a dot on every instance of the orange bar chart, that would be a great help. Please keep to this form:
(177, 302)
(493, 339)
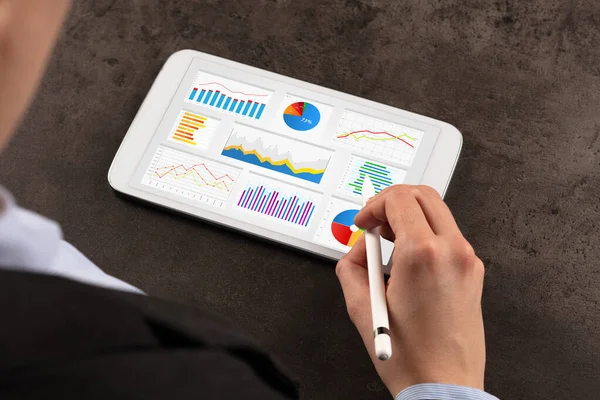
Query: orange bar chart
(188, 126)
(193, 129)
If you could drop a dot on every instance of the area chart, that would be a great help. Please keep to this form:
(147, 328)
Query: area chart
(277, 153)
(228, 96)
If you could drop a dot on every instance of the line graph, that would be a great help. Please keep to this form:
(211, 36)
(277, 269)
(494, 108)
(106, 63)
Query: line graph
(381, 135)
(276, 153)
(230, 90)
(193, 129)
(384, 139)
(228, 96)
(196, 173)
(191, 176)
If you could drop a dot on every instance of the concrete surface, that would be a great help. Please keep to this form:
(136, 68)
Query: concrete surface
(521, 80)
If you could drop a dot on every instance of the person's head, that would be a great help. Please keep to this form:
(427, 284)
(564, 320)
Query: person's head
(28, 29)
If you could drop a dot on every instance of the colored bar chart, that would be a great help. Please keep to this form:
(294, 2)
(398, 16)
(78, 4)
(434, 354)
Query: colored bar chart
(282, 202)
(381, 175)
(228, 96)
(214, 98)
(192, 129)
(378, 173)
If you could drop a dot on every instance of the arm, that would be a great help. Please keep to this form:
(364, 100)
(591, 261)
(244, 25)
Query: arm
(433, 296)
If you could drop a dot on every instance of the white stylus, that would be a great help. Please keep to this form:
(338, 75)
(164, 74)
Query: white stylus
(379, 312)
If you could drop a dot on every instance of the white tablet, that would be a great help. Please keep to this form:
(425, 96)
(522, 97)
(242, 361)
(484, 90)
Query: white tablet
(271, 155)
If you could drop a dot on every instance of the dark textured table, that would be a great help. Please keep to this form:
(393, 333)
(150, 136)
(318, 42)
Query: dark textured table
(521, 80)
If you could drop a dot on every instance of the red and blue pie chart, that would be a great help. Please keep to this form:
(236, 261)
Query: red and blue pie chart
(344, 230)
(301, 116)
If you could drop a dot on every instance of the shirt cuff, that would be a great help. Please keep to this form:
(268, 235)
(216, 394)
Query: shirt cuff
(438, 391)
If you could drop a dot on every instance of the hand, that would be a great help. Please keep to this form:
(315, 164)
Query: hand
(433, 294)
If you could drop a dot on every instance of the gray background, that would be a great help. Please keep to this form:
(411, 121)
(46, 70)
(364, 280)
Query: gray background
(521, 80)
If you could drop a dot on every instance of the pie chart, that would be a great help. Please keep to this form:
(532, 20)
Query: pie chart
(344, 230)
(301, 116)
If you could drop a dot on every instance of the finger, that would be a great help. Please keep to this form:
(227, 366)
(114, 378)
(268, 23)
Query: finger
(436, 211)
(399, 208)
(386, 232)
(358, 253)
(354, 280)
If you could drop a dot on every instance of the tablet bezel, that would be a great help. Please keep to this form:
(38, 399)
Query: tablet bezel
(437, 174)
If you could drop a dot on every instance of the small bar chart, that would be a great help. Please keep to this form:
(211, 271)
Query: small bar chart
(194, 129)
(381, 175)
(279, 201)
(228, 96)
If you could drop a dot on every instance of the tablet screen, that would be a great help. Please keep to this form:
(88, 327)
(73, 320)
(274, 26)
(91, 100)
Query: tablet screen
(275, 152)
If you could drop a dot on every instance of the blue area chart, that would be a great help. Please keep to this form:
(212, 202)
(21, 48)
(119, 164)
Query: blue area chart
(283, 167)
(283, 155)
(301, 116)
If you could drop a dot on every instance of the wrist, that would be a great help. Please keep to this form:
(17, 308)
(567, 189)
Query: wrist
(443, 392)
(396, 386)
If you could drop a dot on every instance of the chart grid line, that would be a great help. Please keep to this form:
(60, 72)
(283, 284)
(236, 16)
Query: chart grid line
(383, 139)
(190, 176)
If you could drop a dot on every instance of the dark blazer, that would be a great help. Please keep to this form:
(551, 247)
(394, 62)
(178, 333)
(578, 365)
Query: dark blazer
(61, 339)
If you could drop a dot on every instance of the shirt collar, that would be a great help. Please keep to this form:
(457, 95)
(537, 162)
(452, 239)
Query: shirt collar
(27, 240)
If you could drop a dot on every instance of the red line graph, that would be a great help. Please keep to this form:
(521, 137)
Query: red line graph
(174, 168)
(231, 91)
(375, 133)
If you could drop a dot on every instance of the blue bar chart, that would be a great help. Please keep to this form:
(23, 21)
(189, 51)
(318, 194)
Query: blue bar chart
(228, 96)
(278, 201)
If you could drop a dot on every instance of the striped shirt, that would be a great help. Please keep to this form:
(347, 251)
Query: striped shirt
(437, 391)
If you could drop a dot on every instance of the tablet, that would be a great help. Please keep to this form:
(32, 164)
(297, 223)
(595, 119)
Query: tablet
(271, 155)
